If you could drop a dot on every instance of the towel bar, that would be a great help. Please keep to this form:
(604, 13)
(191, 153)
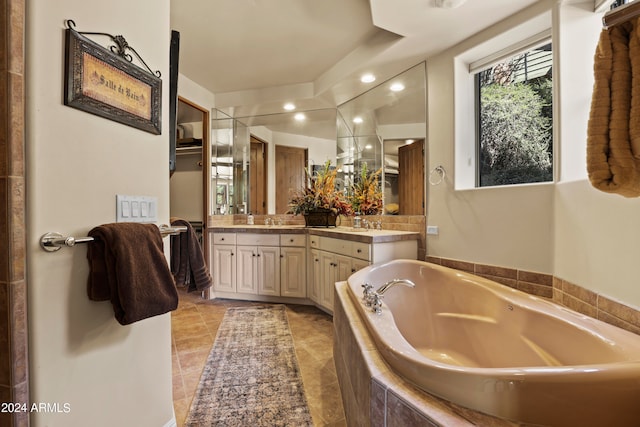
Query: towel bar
(53, 241)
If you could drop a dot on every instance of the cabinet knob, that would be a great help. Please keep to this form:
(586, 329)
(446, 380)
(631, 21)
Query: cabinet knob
(291, 240)
(222, 239)
(258, 254)
(253, 254)
(359, 251)
(232, 254)
(353, 270)
(281, 256)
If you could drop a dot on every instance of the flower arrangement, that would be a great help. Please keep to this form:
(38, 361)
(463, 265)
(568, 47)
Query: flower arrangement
(321, 194)
(366, 197)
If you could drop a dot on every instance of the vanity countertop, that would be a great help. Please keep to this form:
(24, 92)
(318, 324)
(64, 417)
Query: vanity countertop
(346, 233)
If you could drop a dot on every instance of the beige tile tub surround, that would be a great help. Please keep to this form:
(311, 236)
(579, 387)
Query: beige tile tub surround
(560, 291)
(14, 379)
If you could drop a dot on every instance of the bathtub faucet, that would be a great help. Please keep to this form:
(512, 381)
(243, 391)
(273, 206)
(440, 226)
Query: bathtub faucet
(391, 283)
(367, 294)
(376, 299)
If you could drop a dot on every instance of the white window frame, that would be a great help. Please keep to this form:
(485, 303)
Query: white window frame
(518, 40)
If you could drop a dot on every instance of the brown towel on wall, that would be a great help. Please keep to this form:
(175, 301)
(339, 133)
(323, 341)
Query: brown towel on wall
(128, 267)
(614, 124)
(187, 260)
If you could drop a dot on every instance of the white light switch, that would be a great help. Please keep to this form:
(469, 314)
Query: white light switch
(136, 208)
(126, 208)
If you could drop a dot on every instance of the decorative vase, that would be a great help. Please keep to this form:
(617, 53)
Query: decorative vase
(320, 218)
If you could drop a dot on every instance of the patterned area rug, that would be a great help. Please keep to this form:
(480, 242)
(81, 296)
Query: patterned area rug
(251, 377)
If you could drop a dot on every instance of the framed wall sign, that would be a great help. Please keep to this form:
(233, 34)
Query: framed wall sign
(106, 83)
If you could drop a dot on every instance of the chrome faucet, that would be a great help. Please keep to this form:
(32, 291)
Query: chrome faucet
(376, 297)
(367, 294)
(391, 283)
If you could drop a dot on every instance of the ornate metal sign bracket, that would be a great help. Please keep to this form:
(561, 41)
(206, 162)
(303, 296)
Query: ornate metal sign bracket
(120, 48)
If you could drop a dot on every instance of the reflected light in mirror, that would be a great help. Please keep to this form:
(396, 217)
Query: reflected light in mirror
(299, 117)
(397, 87)
(410, 141)
(368, 78)
(289, 106)
(357, 120)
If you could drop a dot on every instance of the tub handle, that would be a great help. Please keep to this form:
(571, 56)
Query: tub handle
(376, 303)
(367, 294)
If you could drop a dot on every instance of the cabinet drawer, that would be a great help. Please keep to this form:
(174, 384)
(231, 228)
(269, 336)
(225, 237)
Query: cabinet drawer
(338, 246)
(224, 238)
(314, 241)
(361, 250)
(292, 240)
(252, 239)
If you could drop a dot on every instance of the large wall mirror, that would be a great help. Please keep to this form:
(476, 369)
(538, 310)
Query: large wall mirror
(385, 128)
(257, 161)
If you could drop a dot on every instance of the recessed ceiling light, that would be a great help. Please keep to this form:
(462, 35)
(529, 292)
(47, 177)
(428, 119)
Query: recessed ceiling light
(397, 87)
(357, 120)
(367, 78)
(289, 106)
(299, 117)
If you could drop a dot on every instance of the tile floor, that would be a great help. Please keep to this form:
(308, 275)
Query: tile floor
(195, 323)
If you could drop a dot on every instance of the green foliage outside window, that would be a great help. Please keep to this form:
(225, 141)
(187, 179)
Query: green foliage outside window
(515, 121)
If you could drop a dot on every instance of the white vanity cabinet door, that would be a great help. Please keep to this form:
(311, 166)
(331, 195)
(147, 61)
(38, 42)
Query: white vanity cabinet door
(224, 268)
(333, 268)
(327, 278)
(293, 272)
(246, 278)
(258, 270)
(268, 270)
(315, 276)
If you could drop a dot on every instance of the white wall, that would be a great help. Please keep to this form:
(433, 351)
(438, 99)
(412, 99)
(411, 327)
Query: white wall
(505, 226)
(195, 93)
(568, 229)
(109, 374)
(597, 234)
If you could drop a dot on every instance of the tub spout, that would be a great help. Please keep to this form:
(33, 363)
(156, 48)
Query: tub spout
(376, 297)
(391, 283)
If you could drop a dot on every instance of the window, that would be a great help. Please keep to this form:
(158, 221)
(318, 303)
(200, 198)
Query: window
(514, 120)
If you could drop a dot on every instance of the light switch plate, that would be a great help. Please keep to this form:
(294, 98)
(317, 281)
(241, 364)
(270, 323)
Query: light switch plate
(136, 208)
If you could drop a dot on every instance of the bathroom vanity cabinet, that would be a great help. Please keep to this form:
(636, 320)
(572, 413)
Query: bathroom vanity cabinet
(296, 264)
(252, 265)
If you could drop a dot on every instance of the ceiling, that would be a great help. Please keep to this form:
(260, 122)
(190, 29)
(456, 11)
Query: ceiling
(255, 55)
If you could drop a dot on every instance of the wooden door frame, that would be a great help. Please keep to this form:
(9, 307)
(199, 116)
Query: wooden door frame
(265, 161)
(206, 179)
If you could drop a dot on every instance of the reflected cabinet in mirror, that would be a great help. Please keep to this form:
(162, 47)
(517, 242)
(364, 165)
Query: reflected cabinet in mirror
(259, 161)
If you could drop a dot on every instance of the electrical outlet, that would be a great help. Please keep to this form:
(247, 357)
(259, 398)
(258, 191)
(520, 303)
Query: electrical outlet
(432, 230)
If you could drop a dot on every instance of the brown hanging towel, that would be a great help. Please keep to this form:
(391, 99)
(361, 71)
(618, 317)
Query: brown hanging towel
(614, 124)
(187, 260)
(128, 268)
